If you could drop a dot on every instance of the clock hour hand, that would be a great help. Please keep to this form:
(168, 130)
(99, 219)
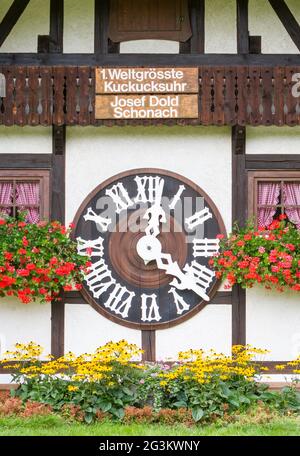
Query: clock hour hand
(155, 215)
(149, 249)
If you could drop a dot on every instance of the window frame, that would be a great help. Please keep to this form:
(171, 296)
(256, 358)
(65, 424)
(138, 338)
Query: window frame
(40, 175)
(254, 177)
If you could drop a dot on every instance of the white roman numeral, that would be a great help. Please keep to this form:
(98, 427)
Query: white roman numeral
(115, 302)
(120, 197)
(102, 221)
(181, 305)
(201, 275)
(176, 197)
(99, 279)
(198, 218)
(95, 244)
(149, 189)
(205, 247)
(150, 312)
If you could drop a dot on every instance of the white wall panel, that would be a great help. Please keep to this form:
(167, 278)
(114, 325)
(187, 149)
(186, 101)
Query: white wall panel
(201, 154)
(273, 322)
(86, 329)
(209, 329)
(33, 22)
(25, 140)
(24, 323)
(273, 140)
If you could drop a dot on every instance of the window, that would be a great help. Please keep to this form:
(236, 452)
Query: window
(25, 191)
(149, 19)
(272, 193)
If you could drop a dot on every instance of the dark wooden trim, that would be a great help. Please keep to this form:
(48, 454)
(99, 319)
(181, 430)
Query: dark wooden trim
(11, 18)
(239, 204)
(58, 327)
(196, 44)
(272, 161)
(255, 44)
(242, 26)
(221, 297)
(287, 19)
(176, 60)
(148, 345)
(54, 41)
(271, 366)
(27, 161)
(101, 26)
(58, 213)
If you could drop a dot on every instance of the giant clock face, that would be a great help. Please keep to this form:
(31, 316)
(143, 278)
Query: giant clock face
(150, 234)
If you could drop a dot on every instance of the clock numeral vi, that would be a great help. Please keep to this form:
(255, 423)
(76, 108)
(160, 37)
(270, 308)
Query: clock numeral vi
(150, 308)
(115, 303)
(181, 305)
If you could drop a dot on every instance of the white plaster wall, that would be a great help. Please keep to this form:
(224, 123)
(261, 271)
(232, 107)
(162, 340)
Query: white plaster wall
(273, 140)
(264, 21)
(209, 329)
(24, 323)
(79, 26)
(202, 154)
(273, 322)
(33, 22)
(86, 329)
(25, 140)
(220, 26)
(149, 47)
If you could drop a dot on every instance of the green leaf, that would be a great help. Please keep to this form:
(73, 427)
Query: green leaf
(197, 413)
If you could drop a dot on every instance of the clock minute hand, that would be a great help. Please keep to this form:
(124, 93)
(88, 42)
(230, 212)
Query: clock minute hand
(149, 249)
(186, 280)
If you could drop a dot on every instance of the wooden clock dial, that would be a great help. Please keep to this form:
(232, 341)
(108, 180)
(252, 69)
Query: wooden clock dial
(150, 234)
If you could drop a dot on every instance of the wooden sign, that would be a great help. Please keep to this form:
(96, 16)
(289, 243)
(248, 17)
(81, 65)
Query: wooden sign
(146, 80)
(146, 93)
(146, 106)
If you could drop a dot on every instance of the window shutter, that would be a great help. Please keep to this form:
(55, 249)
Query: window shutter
(149, 19)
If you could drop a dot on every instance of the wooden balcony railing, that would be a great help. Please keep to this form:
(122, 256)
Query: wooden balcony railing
(227, 96)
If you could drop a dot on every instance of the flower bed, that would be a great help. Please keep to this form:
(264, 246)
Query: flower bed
(37, 261)
(112, 382)
(255, 256)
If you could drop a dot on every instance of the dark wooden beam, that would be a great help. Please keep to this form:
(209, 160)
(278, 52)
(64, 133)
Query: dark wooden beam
(287, 19)
(12, 161)
(54, 41)
(149, 346)
(101, 26)
(11, 18)
(239, 199)
(196, 44)
(58, 213)
(273, 161)
(173, 60)
(242, 26)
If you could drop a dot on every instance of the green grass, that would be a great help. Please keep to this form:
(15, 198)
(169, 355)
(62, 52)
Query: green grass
(55, 426)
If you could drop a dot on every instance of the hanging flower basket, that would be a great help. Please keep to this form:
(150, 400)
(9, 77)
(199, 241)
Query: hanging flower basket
(37, 261)
(258, 256)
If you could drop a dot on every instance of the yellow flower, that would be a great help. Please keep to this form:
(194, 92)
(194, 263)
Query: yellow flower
(72, 388)
(280, 366)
